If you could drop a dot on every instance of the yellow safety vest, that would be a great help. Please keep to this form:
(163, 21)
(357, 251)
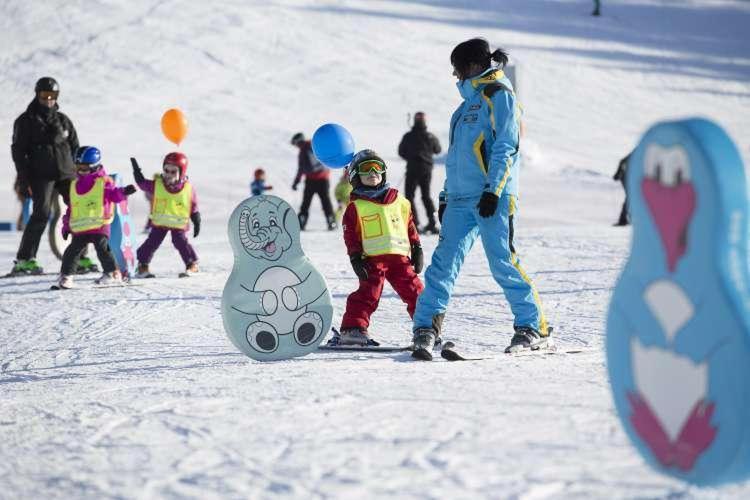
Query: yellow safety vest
(384, 227)
(170, 210)
(87, 209)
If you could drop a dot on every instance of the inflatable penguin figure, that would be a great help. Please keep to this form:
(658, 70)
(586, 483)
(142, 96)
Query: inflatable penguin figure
(678, 350)
(275, 304)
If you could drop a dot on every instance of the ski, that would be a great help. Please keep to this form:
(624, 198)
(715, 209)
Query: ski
(364, 348)
(24, 275)
(94, 287)
(448, 353)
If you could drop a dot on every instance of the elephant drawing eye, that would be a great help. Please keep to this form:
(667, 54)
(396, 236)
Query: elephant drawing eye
(256, 224)
(272, 223)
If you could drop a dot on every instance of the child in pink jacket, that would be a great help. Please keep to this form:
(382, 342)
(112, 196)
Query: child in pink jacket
(93, 195)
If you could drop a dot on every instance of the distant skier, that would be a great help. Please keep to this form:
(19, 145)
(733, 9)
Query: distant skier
(316, 182)
(597, 8)
(342, 191)
(89, 214)
(417, 147)
(481, 189)
(258, 186)
(383, 244)
(620, 174)
(174, 205)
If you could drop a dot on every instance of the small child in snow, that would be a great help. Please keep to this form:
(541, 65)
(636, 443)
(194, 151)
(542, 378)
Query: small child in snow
(88, 217)
(258, 186)
(342, 192)
(173, 205)
(382, 243)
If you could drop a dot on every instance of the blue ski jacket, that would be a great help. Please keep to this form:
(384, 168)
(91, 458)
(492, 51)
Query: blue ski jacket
(484, 136)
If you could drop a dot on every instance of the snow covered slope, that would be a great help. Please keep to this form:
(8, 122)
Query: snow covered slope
(137, 393)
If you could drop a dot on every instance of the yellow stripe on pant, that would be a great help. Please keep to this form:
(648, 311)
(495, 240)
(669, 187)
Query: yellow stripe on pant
(543, 325)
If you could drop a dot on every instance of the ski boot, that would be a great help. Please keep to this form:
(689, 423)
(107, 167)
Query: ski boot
(23, 267)
(527, 338)
(332, 225)
(424, 341)
(86, 265)
(143, 271)
(65, 282)
(302, 221)
(190, 269)
(355, 337)
(109, 278)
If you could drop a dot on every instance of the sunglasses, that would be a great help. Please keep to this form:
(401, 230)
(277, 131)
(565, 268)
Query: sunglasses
(48, 95)
(371, 166)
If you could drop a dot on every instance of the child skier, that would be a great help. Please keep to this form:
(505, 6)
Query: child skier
(342, 191)
(173, 205)
(92, 197)
(380, 235)
(258, 186)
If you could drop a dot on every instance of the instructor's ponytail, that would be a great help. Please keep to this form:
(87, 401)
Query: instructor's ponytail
(500, 57)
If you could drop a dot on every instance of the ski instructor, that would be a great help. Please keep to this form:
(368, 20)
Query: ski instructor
(479, 200)
(44, 141)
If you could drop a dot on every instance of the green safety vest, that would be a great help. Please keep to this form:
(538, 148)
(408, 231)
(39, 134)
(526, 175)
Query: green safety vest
(384, 227)
(87, 209)
(170, 210)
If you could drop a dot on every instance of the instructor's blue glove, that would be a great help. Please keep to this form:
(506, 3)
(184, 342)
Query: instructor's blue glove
(487, 204)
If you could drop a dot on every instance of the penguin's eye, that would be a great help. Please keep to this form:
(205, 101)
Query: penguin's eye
(667, 166)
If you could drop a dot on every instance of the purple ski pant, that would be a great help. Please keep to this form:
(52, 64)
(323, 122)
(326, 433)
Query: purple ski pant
(156, 236)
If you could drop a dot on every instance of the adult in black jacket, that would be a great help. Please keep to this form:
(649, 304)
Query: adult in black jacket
(417, 147)
(44, 141)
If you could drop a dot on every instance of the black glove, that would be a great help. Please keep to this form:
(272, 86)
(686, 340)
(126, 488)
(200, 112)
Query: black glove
(487, 204)
(196, 218)
(441, 210)
(65, 234)
(359, 264)
(129, 189)
(417, 258)
(137, 174)
(294, 186)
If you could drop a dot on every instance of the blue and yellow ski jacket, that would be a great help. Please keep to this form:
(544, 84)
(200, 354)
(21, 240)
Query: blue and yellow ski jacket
(484, 136)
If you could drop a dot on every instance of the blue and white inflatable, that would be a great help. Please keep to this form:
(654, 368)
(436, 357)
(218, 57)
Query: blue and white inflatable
(678, 350)
(275, 304)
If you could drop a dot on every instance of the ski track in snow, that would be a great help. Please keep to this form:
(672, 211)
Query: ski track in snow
(136, 392)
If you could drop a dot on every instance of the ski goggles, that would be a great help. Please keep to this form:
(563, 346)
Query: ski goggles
(48, 95)
(371, 166)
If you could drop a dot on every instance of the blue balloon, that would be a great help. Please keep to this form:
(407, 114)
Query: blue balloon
(333, 145)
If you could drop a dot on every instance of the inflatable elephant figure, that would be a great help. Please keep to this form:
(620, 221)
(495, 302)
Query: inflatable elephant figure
(275, 304)
(678, 328)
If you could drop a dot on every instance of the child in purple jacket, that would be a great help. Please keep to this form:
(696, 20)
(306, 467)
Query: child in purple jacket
(93, 195)
(173, 205)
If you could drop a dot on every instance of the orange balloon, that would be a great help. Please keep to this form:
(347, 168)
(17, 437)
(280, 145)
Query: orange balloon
(174, 125)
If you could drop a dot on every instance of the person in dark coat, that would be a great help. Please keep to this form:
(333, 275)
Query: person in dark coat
(44, 141)
(620, 174)
(316, 182)
(417, 147)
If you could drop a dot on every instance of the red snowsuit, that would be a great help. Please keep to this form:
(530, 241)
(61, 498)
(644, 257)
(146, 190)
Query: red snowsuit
(397, 269)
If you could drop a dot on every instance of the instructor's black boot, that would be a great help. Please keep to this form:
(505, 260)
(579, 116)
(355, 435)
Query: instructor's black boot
(331, 222)
(424, 341)
(302, 221)
(526, 338)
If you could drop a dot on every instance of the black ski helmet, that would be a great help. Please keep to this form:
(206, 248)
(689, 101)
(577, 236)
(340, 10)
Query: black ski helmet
(363, 156)
(46, 83)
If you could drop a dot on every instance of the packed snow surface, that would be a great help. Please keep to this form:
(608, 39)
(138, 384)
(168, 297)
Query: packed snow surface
(137, 393)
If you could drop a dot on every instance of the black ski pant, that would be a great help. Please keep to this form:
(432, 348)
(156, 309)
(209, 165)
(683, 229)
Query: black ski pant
(79, 243)
(322, 188)
(41, 195)
(422, 180)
